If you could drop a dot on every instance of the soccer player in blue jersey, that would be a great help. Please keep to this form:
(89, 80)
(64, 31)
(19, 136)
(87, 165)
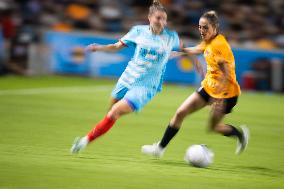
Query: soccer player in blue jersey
(143, 76)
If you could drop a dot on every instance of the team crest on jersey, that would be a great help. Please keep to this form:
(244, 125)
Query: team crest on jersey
(151, 54)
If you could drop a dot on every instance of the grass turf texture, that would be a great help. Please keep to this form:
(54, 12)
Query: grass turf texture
(40, 116)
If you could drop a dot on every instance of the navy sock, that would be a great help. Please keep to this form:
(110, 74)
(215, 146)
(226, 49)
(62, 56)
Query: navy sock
(168, 135)
(234, 132)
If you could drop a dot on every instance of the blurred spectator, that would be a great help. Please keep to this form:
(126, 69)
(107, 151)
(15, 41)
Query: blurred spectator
(253, 23)
(111, 15)
(18, 60)
(7, 24)
(247, 23)
(80, 14)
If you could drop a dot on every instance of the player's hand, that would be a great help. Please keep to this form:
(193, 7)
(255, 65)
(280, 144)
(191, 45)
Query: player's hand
(90, 48)
(175, 54)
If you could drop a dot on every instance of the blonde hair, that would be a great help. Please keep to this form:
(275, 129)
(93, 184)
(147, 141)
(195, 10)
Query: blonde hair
(156, 6)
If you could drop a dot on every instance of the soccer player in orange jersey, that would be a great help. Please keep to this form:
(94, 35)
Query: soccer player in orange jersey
(219, 88)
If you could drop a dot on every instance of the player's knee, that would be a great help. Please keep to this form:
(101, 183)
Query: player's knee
(180, 114)
(114, 113)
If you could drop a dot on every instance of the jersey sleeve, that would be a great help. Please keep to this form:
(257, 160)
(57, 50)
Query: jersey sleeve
(177, 43)
(130, 38)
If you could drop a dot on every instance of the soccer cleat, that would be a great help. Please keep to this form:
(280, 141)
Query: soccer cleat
(153, 150)
(243, 142)
(79, 144)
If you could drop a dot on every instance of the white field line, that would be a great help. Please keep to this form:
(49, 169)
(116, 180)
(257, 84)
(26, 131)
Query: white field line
(53, 90)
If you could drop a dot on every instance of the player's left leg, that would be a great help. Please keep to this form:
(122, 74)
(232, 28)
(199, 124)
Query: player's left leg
(192, 104)
(220, 107)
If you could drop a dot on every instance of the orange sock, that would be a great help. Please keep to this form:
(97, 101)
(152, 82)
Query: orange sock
(102, 127)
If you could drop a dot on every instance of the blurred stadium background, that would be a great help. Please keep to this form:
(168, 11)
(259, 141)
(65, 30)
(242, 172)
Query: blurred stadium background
(51, 91)
(47, 37)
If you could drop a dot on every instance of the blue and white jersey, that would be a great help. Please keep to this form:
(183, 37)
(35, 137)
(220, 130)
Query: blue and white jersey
(152, 52)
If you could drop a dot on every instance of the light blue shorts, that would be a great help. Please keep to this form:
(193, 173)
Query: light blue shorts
(137, 96)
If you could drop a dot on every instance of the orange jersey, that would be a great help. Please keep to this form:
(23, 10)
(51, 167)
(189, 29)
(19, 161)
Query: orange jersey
(215, 83)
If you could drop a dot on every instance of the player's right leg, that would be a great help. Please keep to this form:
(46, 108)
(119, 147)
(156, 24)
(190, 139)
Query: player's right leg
(192, 104)
(113, 101)
(243, 142)
(120, 108)
(79, 144)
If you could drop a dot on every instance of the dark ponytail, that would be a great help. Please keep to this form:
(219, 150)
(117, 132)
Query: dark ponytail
(212, 18)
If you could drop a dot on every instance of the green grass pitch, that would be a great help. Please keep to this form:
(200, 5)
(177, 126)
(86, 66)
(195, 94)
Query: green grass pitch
(41, 116)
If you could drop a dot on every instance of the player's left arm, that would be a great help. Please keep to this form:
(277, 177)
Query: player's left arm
(222, 51)
(223, 66)
(218, 104)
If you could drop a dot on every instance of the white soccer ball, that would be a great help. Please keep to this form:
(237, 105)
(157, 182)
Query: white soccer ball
(199, 155)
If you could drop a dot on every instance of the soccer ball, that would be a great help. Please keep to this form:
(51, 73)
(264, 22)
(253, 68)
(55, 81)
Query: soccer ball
(199, 155)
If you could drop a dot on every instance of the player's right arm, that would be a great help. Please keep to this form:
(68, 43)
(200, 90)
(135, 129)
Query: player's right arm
(191, 51)
(198, 49)
(106, 48)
